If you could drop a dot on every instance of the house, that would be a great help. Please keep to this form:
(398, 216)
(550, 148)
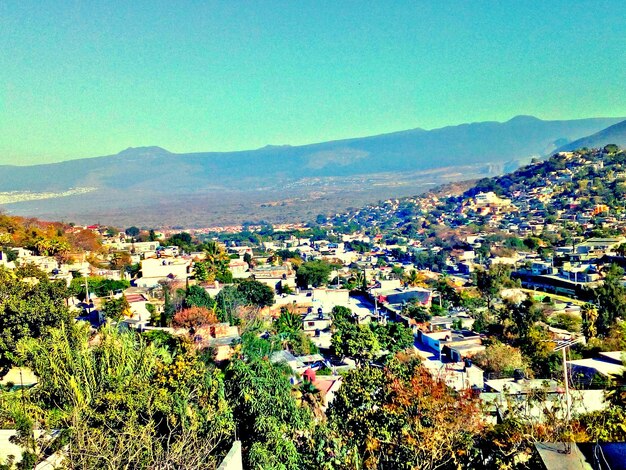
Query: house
(154, 270)
(316, 321)
(452, 344)
(607, 364)
(238, 268)
(331, 297)
(328, 385)
(396, 298)
(219, 337)
(275, 276)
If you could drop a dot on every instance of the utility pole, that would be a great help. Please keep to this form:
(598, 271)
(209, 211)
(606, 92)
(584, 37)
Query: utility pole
(562, 346)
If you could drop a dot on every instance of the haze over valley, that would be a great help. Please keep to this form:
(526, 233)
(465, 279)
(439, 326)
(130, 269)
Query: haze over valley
(154, 187)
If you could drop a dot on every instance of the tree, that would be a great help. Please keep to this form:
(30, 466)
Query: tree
(288, 328)
(500, 359)
(438, 426)
(227, 303)
(256, 293)
(98, 286)
(589, 315)
(393, 336)
(355, 341)
(200, 272)
(417, 312)
(313, 273)
(30, 305)
(127, 402)
(194, 317)
(414, 279)
(288, 322)
(611, 299)
(490, 282)
(132, 231)
(197, 296)
(267, 415)
(115, 309)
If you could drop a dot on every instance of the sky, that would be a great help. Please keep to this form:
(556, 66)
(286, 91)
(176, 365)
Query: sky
(81, 79)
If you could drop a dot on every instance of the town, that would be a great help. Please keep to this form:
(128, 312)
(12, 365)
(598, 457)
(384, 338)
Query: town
(497, 306)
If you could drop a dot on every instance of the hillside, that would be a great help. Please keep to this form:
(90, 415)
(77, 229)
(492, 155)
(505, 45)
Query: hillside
(569, 194)
(615, 134)
(153, 186)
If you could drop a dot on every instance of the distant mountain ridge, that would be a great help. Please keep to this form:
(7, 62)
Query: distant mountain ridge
(615, 134)
(152, 177)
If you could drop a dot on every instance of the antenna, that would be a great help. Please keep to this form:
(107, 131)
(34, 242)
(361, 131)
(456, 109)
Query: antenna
(563, 345)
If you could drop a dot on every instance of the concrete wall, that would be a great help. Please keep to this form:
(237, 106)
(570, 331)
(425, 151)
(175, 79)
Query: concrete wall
(233, 460)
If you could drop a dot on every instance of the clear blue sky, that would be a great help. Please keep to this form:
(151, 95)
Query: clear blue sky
(87, 78)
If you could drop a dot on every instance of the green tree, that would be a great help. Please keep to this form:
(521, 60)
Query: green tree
(201, 273)
(197, 296)
(589, 315)
(124, 402)
(268, 418)
(289, 322)
(30, 305)
(132, 231)
(393, 336)
(490, 282)
(313, 273)
(611, 299)
(228, 301)
(356, 341)
(115, 309)
(256, 293)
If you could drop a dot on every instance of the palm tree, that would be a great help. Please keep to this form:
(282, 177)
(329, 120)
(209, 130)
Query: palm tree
(589, 315)
(216, 258)
(414, 279)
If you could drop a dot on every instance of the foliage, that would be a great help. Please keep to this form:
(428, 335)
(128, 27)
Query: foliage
(197, 296)
(194, 317)
(567, 321)
(30, 305)
(115, 308)
(228, 301)
(313, 273)
(256, 293)
(268, 419)
(417, 312)
(98, 286)
(611, 299)
(289, 322)
(393, 336)
(132, 231)
(374, 405)
(127, 403)
(356, 341)
(501, 360)
(490, 282)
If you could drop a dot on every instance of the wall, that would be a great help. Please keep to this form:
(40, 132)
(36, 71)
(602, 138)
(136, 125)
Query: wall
(233, 460)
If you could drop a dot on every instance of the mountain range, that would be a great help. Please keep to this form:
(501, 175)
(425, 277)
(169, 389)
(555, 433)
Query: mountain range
(154, 187)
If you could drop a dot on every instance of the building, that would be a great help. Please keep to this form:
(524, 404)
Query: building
(154, 270)
(607, 364)
(451, 344)
(316, 321)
